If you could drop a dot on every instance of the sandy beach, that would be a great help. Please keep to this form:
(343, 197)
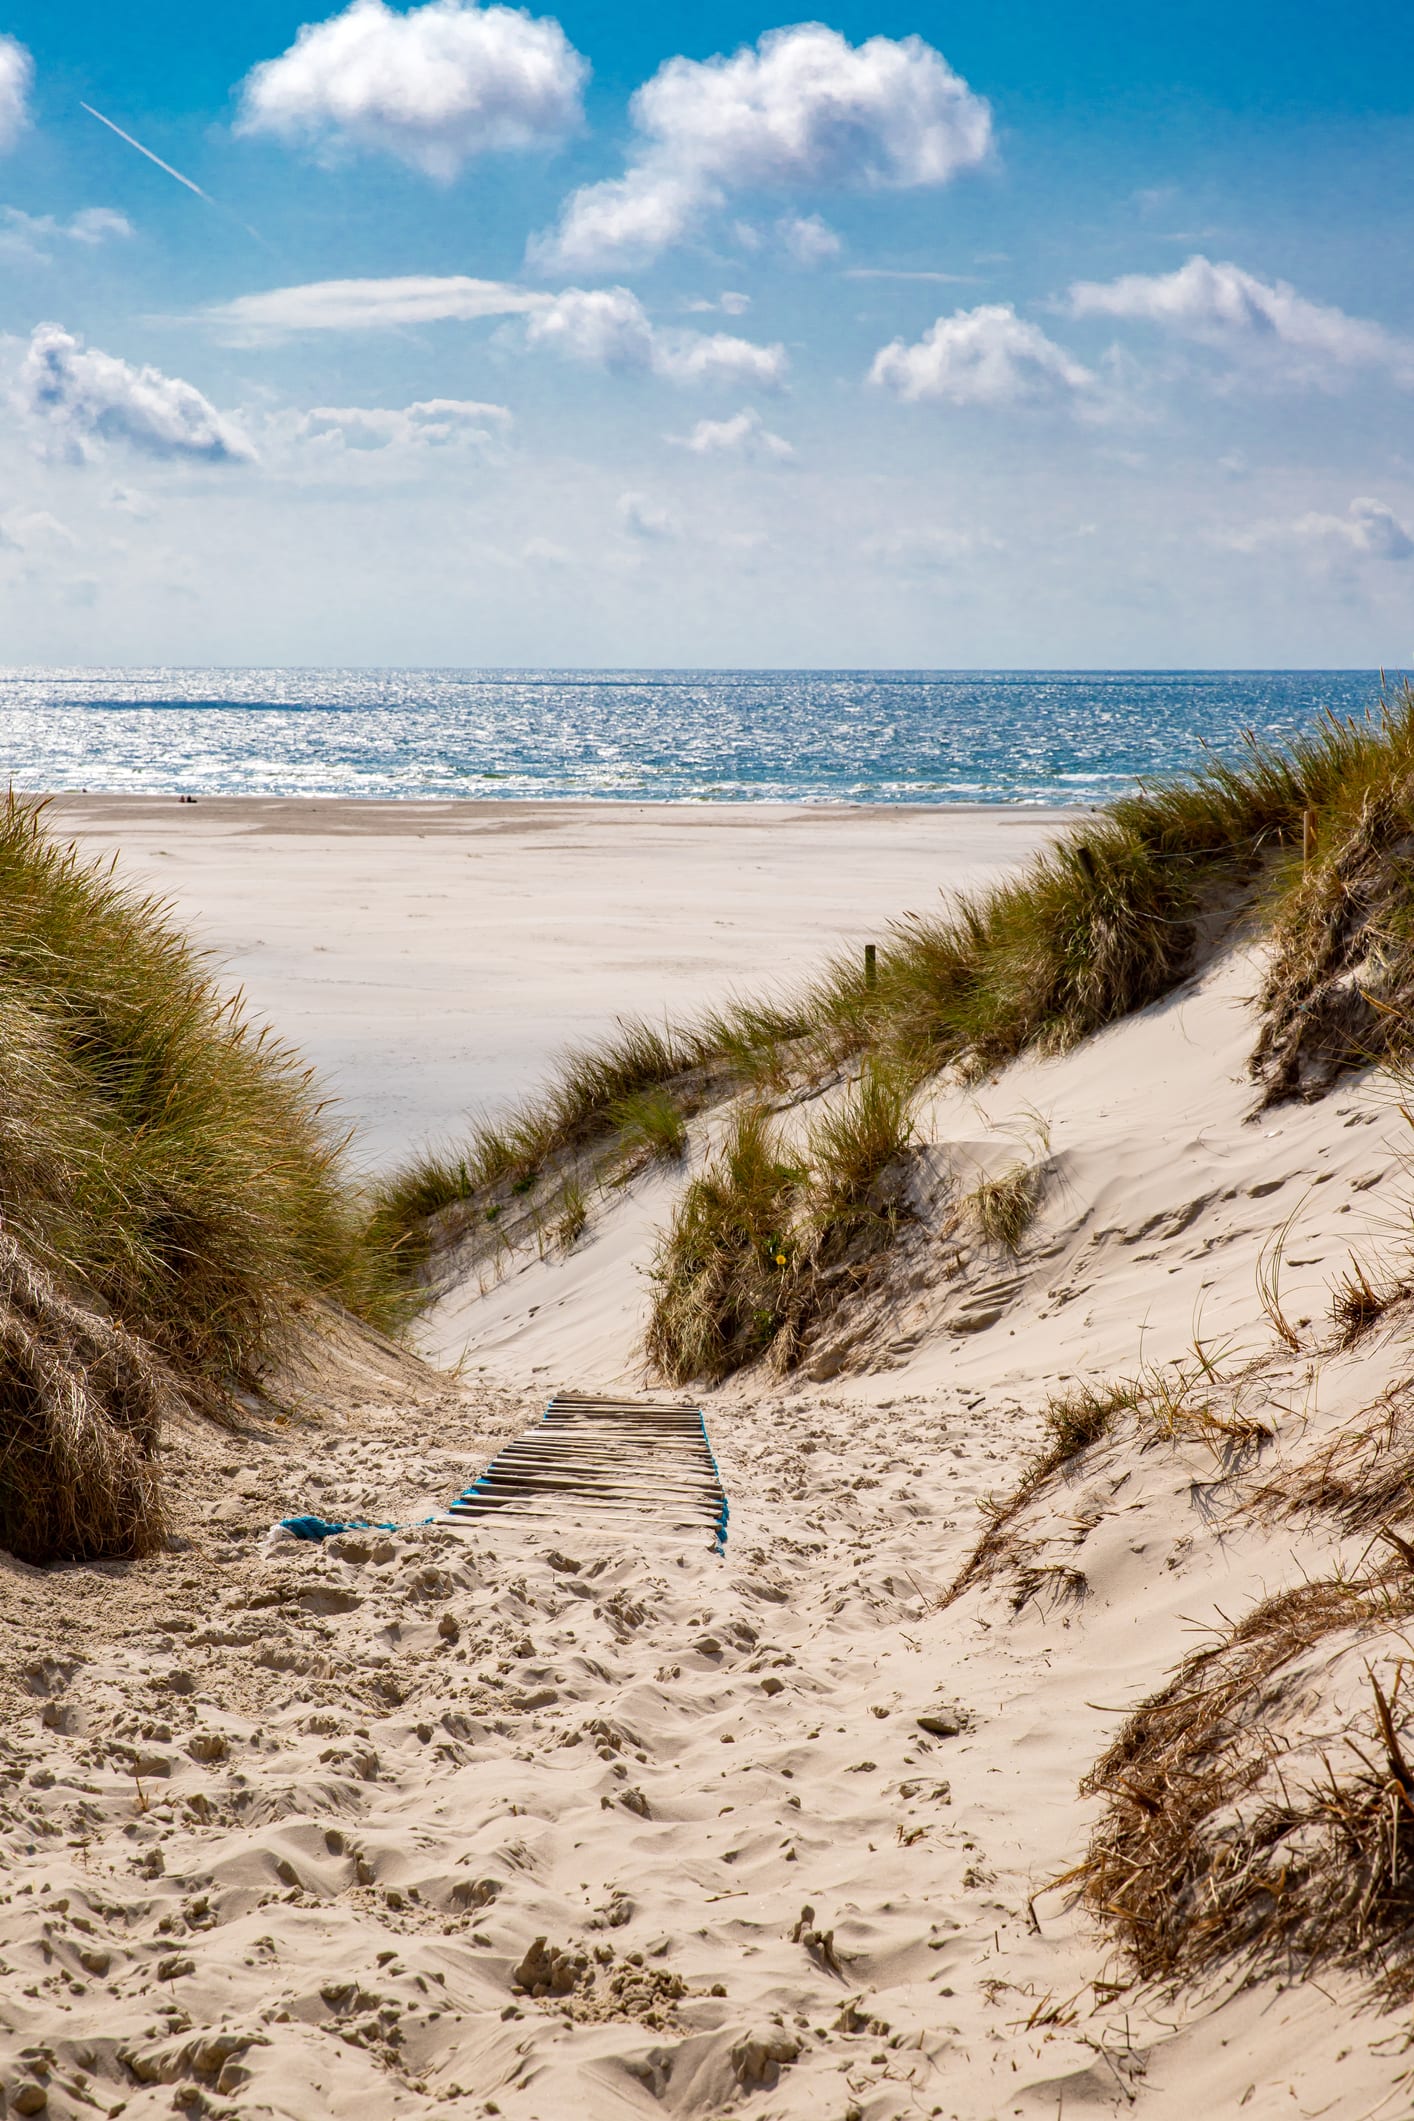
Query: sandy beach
(432, 958)
(283, 1822)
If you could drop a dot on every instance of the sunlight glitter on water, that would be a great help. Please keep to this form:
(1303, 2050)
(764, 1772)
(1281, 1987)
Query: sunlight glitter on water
(1041, 737)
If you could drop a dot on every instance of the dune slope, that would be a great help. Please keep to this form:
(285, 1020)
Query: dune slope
(290, 1850)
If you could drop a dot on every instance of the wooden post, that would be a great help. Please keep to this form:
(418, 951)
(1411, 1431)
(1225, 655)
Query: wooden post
(1308, 837)
(871, 966)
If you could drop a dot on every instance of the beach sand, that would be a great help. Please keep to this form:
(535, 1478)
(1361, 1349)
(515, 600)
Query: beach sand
(281, 1822)
(431, 958)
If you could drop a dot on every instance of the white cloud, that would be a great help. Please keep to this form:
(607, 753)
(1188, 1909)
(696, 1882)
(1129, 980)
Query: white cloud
(802, 108)
(985, 356)
(34, 531)
(641, 519)
(892, 272)
(809, 240)
(729, 303)
(1369, 530)
(433, 87)
(1223, 306)
(96, 224)
(745, 434)
(369, 305)
(131, 501)
(26, 235)
(432, 423)
(81, 399)
(605, 326)
(927, 548)
(16, 80)
(609, 328)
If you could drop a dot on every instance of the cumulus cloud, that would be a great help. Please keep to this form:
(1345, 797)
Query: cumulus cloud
(745, 434)
(29, 235)
(802, 108)
(16, 80)
(808, 239)
(80, 399)
(1223, 306)
(609, 328)
(368, 305)
(433, 87)
(432, 423)
(1369, 530)
(986, 356)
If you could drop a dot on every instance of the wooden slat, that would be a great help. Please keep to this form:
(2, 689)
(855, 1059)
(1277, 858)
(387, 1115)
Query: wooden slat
(597, 1460)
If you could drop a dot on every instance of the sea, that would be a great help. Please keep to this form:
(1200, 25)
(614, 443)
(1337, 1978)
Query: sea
(673, 736)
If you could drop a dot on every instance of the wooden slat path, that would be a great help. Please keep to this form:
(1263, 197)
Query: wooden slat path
(634, 1464)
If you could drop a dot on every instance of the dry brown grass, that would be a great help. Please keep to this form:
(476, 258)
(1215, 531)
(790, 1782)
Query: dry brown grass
(1074, 1421)
(1360, 1300)
(1250, 1816)
(1003, 1208)
(1187, 1401)
(82, 1404)
(1361, 1479)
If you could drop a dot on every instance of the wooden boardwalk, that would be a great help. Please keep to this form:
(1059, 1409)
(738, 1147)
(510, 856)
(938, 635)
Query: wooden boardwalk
(620, 1464)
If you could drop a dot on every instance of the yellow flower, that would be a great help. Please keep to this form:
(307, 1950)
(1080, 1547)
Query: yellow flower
(780, 1259)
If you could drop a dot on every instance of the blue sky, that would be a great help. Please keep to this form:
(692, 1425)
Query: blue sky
(982, 336)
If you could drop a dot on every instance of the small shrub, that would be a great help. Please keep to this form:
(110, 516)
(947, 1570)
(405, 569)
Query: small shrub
(1227, 1838)
(760, 1249)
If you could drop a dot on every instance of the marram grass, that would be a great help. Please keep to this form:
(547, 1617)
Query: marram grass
(168, 1174)
(764, 1242)
(1104, 922)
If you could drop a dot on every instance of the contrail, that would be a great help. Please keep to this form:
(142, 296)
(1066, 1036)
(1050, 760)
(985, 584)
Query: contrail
(148, 152)
(204, 195)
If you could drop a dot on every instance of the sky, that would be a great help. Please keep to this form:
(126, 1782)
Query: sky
(1001, 336)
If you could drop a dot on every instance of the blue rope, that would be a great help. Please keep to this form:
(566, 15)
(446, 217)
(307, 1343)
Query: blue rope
(325, 1528)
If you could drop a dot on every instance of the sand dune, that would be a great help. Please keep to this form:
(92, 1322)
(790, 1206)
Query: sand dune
(284, 1825)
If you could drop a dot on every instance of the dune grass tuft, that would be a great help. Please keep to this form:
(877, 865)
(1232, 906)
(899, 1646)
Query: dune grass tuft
(762, 1244)
(724, 1268)
(651, 1124)
(1239, 1826)
(1003, 1208)
(82, 1404)
(167, 1172)
(572, 1214)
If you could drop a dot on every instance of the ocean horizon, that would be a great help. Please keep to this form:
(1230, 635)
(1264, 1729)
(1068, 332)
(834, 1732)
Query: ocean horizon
(1037, 738)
